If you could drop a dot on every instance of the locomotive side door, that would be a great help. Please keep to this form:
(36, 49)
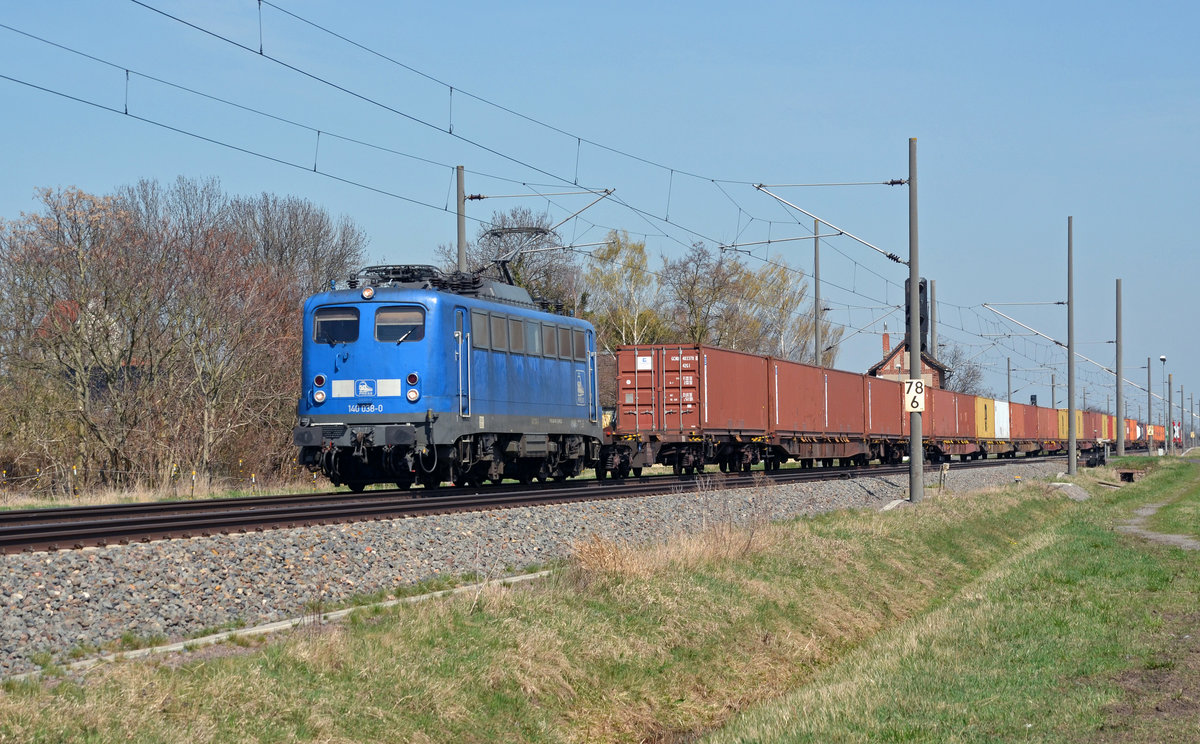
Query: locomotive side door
(462, 354)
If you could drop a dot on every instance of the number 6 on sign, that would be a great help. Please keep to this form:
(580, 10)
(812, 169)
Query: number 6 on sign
(914, 396)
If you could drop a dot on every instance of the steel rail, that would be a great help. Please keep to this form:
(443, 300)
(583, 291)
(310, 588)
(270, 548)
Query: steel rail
(79, 527)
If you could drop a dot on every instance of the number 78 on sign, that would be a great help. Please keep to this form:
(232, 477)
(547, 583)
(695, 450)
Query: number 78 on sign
(914, 396)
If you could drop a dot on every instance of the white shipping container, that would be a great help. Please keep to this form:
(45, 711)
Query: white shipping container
(1002, 427)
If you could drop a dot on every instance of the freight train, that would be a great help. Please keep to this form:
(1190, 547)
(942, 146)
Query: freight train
(411, 375)
(686, 406)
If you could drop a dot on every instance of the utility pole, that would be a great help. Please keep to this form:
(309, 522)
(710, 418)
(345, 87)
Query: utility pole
(1053, 400)
(1072, 466)
(817, 293)
(1120, 381)
(1149, 406)
(462, 220)
(916, 448)
(1182, 443)
(1170, 405)
(933, 344)
(1009, 360)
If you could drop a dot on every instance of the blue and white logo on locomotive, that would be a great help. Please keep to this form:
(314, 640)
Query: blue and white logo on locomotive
(364, 388)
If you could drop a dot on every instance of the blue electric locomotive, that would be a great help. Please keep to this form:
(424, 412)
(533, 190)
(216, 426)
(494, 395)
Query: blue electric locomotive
(412, 375)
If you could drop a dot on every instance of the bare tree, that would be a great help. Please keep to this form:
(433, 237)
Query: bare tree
(157, 328)
(299, 238)
(964, 374)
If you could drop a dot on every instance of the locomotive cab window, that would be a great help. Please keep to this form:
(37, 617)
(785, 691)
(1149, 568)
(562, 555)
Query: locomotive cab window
(399, 324)
(335, 325)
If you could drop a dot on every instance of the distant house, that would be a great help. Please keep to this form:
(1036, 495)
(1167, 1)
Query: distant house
(894, 365)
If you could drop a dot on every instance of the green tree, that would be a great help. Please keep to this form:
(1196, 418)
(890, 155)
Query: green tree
(624, 294)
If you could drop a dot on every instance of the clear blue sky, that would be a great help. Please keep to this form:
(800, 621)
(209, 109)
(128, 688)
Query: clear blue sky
(1024, 113)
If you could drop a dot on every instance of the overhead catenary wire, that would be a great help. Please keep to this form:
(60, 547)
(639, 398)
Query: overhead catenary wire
(651, 219)
(644, 214)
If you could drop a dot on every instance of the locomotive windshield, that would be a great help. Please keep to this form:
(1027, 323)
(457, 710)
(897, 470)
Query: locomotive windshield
(335, 325)
(399, 324)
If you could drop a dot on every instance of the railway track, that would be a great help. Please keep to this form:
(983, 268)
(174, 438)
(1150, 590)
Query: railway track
(79, 527)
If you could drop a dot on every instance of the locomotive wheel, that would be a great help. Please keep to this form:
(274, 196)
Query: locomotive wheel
(601, 472)
(637, 472)
(677, 468)
(357, 486)
(723, 465)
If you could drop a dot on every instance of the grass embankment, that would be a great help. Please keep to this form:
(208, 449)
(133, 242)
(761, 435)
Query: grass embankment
(998, 616)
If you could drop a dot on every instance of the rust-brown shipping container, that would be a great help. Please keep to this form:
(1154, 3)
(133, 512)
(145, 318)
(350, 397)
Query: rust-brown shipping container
(941, 414)
(677, 391)
(1022, 421)
(1047, 424)
(798, 395)
(813, 400)
(886, 416)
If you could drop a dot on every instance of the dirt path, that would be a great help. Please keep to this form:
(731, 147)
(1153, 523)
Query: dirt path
(1162, 699)
(1137, 526)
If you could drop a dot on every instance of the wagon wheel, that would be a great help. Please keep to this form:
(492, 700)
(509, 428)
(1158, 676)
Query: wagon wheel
(357, 486)
(637, 472)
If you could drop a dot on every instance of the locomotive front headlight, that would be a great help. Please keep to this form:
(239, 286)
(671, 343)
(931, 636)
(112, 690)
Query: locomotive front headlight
(413, 395)
(319, 396)
(368, 293)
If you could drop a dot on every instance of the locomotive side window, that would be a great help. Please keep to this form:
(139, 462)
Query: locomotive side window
(533, 338)
(479, 330)
(335, 325)
(516, 335)
(564, 343)
(399, 324)
(580, 346)
(549, 341)
(499, 333)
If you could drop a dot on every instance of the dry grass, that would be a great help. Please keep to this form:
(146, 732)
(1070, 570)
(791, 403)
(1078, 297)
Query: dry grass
(14, 498)
(628, 643)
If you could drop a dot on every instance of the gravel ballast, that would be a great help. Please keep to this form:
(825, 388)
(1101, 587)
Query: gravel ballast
(53, 603)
